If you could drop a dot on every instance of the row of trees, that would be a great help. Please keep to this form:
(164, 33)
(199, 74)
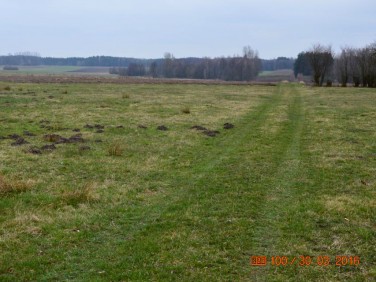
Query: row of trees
(352, 65)
(131, 70)
(236, 68)
(34, 59)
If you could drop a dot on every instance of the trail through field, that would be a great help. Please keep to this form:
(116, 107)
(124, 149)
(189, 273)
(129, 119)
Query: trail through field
(225, 207)
(274, 183)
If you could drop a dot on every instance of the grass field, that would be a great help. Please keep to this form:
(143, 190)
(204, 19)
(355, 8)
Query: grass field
(295, 177)
(56, 70)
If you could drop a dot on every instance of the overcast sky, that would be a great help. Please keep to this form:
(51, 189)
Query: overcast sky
(149, 28)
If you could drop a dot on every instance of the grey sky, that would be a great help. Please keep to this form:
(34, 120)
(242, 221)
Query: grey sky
(148, 28)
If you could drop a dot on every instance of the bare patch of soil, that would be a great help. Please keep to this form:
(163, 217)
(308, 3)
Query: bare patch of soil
(162, 128)
(228, 125)
(19, 141)
(34, 151)
(57, 139)
(48, 147)
(198, 127)
(210, 133)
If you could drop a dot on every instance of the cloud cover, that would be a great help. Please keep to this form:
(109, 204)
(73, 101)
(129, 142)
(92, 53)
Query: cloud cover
(147, 29)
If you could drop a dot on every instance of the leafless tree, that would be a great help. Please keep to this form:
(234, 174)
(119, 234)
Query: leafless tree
(342, 66)
(168, 65)
(321, 61)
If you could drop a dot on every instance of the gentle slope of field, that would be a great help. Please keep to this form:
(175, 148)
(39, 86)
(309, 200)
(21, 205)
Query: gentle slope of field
(295, 176)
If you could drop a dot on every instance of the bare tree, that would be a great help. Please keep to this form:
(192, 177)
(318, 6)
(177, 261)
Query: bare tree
(342, 66)
(168, 65)
(321, 61)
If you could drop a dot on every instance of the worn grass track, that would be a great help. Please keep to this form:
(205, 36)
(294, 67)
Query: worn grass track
(263, 188)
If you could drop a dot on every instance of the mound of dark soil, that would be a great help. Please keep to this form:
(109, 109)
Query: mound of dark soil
(49, 147)
(198, 127)
(84, 148)
(14, 136)
(57, 139)
(89, 126)
(19, 141)
(210, 133)
(77, 138)
(142, 126)
(34, 151)
(228, 125)
(162, 128)
(76, 130)
(99, 131)
(98, 126)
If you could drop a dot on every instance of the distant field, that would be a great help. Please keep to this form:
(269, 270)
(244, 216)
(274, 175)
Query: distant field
(121, 182)
(264, 77)
(276, 76)
(68, 70)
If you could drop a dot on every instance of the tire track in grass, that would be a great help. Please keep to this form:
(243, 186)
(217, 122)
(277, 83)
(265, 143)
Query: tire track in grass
(197, 209)
(280, 195)
(200, 206)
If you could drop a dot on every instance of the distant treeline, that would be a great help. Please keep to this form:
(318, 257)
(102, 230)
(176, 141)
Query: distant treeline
(237, 68)
(96, 61)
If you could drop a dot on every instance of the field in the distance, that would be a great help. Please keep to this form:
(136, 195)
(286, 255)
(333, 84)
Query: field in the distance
(56, 70)
(295, 176)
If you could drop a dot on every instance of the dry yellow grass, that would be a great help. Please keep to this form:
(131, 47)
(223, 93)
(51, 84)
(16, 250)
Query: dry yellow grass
(85, 194)
(10, 185)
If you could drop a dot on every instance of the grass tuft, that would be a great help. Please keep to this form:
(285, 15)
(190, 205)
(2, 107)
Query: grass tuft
(126, 96)
(116, 149)
(8, 186)
(86, 194)
(185, 110)
(51, 137)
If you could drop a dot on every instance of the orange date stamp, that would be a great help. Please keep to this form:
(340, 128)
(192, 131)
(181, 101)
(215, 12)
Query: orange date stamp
(304, 261)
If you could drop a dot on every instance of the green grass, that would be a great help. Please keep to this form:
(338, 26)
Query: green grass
(296, 176)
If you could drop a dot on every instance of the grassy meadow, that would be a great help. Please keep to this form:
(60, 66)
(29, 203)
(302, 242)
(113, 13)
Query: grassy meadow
(91, 190)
